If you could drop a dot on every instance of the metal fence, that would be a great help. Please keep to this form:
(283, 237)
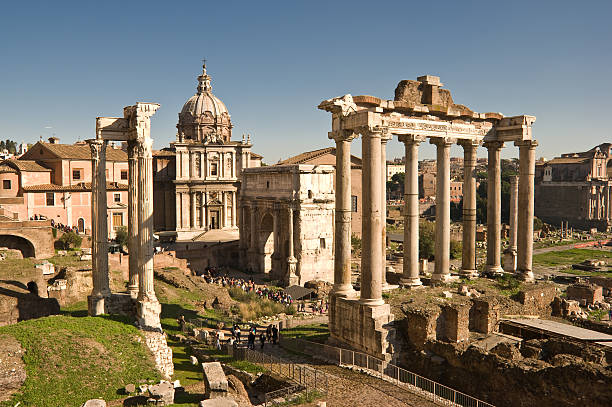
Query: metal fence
(387, 371)
(306, 379)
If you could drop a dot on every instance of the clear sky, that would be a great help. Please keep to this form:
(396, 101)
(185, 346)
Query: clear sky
(64, 63)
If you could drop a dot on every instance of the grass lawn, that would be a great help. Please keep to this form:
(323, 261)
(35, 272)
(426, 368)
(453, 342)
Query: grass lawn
(70, 360)
(572, 256)
(315, 332)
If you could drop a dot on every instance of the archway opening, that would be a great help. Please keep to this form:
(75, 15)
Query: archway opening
(33, 288)
(18, 243)
(266, 242)
(81, 225)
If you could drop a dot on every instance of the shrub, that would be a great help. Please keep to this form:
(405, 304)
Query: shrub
(427, 237)
(121, 236)
(70, 239)
(455, 249)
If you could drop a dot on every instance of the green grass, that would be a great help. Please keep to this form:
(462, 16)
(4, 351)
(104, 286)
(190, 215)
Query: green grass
(508, 285)
(314, 332)
(598, 314)
(569, 257)
(70, 360)
(303, 398)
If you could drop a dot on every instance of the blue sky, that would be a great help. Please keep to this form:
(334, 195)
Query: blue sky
(64, 63)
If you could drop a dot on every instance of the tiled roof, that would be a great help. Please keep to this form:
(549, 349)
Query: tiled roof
(26, 165)
(163, 153)
(80, 187)
(81, 151)
(309, 155)
(568, 160)
(255, 155)
(4, 168)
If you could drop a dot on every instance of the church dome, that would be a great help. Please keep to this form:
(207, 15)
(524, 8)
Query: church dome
(204, 117)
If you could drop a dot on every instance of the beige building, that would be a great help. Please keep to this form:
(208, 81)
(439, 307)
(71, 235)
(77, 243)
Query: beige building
(207, 167)
(327, 156)
(393, 169)
(287, 222)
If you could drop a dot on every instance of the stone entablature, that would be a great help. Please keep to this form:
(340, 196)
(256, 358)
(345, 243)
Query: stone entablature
(290, 208)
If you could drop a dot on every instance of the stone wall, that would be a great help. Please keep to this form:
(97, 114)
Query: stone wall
(587, 293)
(15, 307)
(157, 344)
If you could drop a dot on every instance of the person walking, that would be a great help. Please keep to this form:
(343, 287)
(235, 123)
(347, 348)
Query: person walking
(251, 340)
(269, 332)
(274, 334)
(237, 334)
(262, 339)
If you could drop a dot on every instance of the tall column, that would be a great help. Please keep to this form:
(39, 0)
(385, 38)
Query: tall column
(224, 216)
(468, 256)
(383, 206)
(442, 243)
(203, 210)
(192, 210)
(234, 209)
(253, 252)
(342, 238)
(514, 212)
(292, 277)
(410, 274)
(494, 207)
(133, 217)
(99, 229)
(148, 305)
(525, 203)
(371, 230)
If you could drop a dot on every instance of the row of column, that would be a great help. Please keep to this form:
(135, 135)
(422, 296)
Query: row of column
(198, 165)
(140, 223)
(599, 203)
(373, 216)
(202, 208)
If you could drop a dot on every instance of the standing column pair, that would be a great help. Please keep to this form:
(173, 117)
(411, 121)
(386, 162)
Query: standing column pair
(99, 229)
(410, 275)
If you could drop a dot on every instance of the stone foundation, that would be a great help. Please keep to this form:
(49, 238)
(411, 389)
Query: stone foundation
(115, 304)
(365, 328)
(589, 293)
(156, 342)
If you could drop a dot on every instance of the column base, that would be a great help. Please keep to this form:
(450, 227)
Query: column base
(410, 282)
(96, 305)
(495, 269)
(526, 276)
(133, 291)
(469, 273)
(147, 313)
(388, 287)
(292, 278)
(344, 291)
(371, 301)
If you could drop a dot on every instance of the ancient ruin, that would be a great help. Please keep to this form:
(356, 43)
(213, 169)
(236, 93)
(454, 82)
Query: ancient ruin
(287, 222)
(421, 110)
(135, 129)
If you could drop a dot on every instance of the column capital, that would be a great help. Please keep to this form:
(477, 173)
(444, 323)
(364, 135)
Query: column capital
(493, 145)
(442, 141)
(469, 143)
(342, 135)
(411, 138)
(374, 131)
(98, 148)
(531, 144)
(144, 147)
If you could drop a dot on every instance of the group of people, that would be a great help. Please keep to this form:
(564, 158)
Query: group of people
(270, 335)
(274, 295)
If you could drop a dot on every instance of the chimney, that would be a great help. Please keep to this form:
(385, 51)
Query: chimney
(53, 140)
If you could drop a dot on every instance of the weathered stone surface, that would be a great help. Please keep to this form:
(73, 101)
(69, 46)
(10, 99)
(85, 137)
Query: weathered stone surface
(12, 368)
(590, 293)
(157, 344)
(214, 379)
(94, 403)
(224, 402)
(193, 360)
(162, 393)
(130, 388)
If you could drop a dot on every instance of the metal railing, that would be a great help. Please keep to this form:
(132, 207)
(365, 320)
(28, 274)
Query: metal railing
(305, 378)
(389, 372)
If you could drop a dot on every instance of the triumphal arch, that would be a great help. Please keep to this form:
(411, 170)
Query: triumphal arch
(420, 111)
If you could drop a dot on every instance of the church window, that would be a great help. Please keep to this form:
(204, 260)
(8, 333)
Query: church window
(6, 184)
(76, 175)
(124, 174)
(213, 169)
(50, 199)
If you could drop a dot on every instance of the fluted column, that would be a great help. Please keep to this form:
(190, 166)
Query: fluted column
(234, 209)
(410, 274)
(133, 217)
(292, 277)
(371, 259)
(468, 257)
(342, 239)
(149, 308)
(525, 203)
(494, 206)
(179, 210)
(253, 251)
(514, 185)
(442, 243)
(192, 210)
(99, 229)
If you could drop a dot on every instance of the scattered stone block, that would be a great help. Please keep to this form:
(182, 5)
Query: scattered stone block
(130, 388)
(225, 402)
(176, 384)
(162, 394)
(62, 252)
(194, 360)
(589, 293)
(86, 250)
(46, 268)
(143, 388)
(447, 294)
(94, 403)
(215, 380)
(85, 257)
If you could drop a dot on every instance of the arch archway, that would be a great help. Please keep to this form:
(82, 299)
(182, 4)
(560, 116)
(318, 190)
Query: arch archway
(266, 243)
(18, 243)
(81, 225)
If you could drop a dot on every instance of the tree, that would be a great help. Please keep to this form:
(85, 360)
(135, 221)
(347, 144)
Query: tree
(69, 239)
(395, 187)
(121, 236)
(427, 238)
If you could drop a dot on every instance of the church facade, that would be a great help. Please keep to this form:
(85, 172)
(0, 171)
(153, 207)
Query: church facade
(207, 165)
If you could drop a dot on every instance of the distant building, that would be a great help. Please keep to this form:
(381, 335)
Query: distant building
(427, 188)
(576, 188)
(393, 169)
(53, 181)
(327, 156)
(197, 179)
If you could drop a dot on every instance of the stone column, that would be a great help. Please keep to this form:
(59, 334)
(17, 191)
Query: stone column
(468, 255)
(99, 229)
(371, 231)
(442, 243)
(383, 207)
(342, 239)
(525, 203)
(410, 274)
(234, 209)
(203, 210)
(192, 210)
(291, 260)
(252, 252)
(224, 216)
(133, 217)
(179, 210)
(148, 305)
(494, 207)
(513, 211)
(275, 231)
